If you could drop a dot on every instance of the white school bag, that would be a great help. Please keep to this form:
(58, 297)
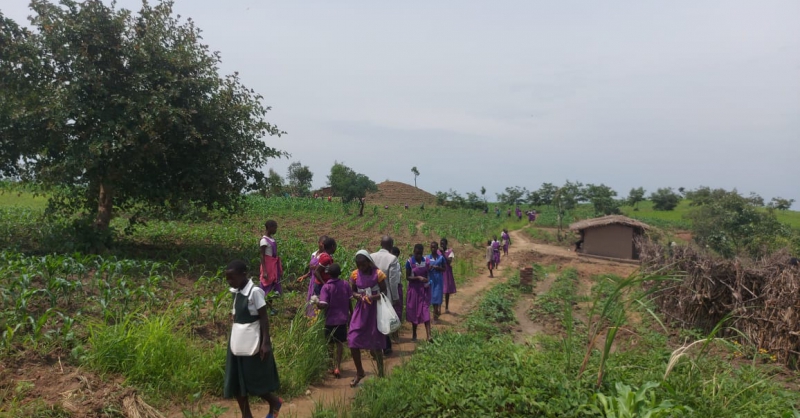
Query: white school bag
(388, 321)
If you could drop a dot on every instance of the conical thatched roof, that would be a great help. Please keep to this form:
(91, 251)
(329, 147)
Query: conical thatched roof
(608, 220)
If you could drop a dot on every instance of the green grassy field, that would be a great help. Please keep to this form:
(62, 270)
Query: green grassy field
(677, 218)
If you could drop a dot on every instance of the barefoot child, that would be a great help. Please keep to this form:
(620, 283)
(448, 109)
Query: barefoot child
(257, 374)
(334, 299)
(489, 257)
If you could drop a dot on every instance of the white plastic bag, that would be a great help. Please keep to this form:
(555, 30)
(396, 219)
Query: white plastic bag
(388, 321)
(245, 338)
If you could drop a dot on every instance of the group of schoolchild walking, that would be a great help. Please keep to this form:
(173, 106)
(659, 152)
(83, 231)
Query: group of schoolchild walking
(349, 305)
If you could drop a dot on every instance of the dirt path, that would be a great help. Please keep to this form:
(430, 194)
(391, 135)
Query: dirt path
(330, 390)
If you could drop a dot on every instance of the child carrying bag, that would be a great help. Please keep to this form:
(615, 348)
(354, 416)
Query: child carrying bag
(388, 321)
(245, 338)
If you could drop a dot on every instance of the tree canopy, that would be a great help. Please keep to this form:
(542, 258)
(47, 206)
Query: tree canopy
(299, 178)
(512, 196)
(635, 196)
(602, 198)
(348, 184)
(123, 109)
(665, 199)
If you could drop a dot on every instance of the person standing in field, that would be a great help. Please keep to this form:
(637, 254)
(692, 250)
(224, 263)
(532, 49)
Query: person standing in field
(271, 267)
(508, 215)
(497, 211)
(436, 268)
(519, 214)
(367, 283)
(255, 375)
(398, 304)
(496, 252)
(418, 296)
(448, 280)
(506, 241)
(334, 299)
(312, 267)
(388, 264)
(489, 257)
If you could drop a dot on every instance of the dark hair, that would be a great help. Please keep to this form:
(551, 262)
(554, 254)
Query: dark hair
(329, 243)
(334, 270)
(444, 240)
(396, 251)
(237, 266)
(419, 247)
(270, 223)
(322, 239)
(489, 242)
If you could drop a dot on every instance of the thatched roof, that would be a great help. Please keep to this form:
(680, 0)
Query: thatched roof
(608, 220)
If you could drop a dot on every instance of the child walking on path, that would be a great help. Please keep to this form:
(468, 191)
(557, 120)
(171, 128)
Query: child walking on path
(312, 284)
(506, 241)
(334, 299)
(436, 268)
(255, 375)
(367, 283)
(496, 252)
(489, 257)
(448, 280)
(418, 297)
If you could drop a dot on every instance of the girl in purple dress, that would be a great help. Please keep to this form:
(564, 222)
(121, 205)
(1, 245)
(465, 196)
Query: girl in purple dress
(418, 296)
(449, 286)
(312, 267)
(496, 252)
(367, 283)
(519, 214)
(271, 267)
(506, 241)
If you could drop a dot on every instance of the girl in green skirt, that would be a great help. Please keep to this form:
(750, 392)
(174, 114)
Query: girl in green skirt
(255, 375)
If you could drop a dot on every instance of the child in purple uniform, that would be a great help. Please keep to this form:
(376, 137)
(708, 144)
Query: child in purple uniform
(334, 299)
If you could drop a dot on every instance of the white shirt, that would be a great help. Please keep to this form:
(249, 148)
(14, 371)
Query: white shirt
(255, 298)
(267, 242)
(388, 264)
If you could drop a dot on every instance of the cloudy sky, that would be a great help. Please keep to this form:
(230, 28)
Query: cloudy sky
(496, 94)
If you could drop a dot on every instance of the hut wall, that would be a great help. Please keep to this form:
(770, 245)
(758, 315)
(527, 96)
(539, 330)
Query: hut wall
(609, 241)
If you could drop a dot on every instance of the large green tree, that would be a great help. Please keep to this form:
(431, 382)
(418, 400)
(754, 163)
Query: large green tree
(602, 198)
(635, 196)
(512, 196)
(299, 177)
(122, 109)
(350, 185)
(665, 199)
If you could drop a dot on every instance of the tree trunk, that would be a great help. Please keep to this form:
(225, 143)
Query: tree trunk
(415, 182)
(361, 207)
(104, 206)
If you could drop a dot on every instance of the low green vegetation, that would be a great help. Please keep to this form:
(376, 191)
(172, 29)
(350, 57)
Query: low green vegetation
(472, 375)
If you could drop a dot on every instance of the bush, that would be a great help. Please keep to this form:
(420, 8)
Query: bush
(665, 199)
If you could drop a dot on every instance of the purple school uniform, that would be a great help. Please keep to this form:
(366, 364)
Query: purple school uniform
(363, 333)
(267, 264)
(336, 293)
(496, 253)
(312, 265)
(506, 239)
(449, 284)
(418, 296)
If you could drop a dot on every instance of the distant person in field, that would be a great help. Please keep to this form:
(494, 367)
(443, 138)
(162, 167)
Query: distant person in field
(485, 210)
(519, 214)
(398, 304)
(448, 280)
(508, 215)
(312, 271)
(367, 283)
(506, 239)
(255, 375)
(497, 211)
(271, 267)
(496, 252)
(389, 264)
(406, 206)
(334, 299)
(436, 268)
(418, 296)
(489, 257)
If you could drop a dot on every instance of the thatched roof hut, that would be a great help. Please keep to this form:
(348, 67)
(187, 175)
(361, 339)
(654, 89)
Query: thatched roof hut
(610, 236)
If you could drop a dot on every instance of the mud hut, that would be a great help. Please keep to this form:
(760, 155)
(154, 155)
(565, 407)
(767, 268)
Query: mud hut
(610, 236)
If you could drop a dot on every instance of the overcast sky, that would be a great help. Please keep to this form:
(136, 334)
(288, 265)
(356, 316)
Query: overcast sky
(496, 94)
